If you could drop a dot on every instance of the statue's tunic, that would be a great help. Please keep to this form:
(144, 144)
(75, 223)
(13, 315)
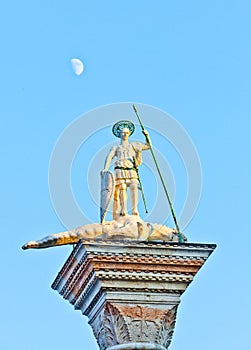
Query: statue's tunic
(128, 157)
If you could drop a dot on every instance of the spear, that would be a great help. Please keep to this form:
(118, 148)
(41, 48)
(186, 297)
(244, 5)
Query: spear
(160, 175)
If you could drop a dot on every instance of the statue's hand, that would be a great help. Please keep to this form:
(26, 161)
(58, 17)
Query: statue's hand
(145, 132)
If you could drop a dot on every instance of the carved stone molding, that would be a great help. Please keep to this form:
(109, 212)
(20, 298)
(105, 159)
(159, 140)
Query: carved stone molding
(122, 324)
(165, 332)
(130, 292)
(110, 327)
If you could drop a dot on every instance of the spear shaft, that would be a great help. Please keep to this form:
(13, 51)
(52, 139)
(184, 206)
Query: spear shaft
(160, 175)
(142, 191)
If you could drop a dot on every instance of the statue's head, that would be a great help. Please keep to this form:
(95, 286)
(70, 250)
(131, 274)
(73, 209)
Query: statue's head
(123, 129)
(124, 134)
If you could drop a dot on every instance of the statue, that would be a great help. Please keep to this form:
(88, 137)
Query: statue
(126, 275)
(123, 226)
(128, 159)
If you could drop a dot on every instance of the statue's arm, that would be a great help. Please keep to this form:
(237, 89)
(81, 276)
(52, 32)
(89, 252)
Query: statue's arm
(109, 158)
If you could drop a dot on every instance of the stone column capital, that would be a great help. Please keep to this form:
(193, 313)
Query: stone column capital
(130, 291)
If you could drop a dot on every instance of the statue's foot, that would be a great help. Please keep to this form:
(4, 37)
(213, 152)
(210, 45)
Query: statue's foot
(135, 213)
(122, 214)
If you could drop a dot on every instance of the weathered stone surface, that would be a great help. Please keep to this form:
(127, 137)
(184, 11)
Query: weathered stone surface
(130, 291)
(129, 227)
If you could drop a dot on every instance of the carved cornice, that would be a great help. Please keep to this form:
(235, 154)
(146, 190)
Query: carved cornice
(72, 263)
(130, 290)
(141, 277)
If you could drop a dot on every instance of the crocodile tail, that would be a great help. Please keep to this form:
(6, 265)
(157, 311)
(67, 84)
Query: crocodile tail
(68, 237)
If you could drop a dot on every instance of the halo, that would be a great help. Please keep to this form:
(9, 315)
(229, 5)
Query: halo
(117, 128)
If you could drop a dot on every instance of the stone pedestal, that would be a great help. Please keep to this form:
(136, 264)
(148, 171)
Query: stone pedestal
(130, 290)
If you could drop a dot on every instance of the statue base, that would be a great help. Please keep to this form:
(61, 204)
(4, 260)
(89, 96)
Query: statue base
(130, 290)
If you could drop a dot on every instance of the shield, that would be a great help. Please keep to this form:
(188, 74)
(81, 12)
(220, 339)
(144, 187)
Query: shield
(107, 190)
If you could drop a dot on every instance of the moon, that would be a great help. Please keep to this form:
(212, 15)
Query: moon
(77, 66)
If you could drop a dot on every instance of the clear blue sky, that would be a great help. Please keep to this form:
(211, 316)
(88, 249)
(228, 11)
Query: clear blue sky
(188, 58)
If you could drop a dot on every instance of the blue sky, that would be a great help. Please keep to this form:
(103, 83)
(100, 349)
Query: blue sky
(190, 59)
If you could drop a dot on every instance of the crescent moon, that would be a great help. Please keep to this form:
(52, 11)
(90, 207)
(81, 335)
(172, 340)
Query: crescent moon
(77, 66)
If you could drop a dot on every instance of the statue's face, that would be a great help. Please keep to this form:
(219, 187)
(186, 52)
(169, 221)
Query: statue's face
(124, 134)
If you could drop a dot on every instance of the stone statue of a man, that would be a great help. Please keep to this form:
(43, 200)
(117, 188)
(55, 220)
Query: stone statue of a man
(128, 158)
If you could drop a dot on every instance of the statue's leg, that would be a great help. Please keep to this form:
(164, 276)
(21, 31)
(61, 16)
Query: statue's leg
(134, 196)
(115, 202)
(123, 199)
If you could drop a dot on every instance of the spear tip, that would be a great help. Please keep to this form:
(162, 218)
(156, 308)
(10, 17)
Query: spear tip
(134, 107)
